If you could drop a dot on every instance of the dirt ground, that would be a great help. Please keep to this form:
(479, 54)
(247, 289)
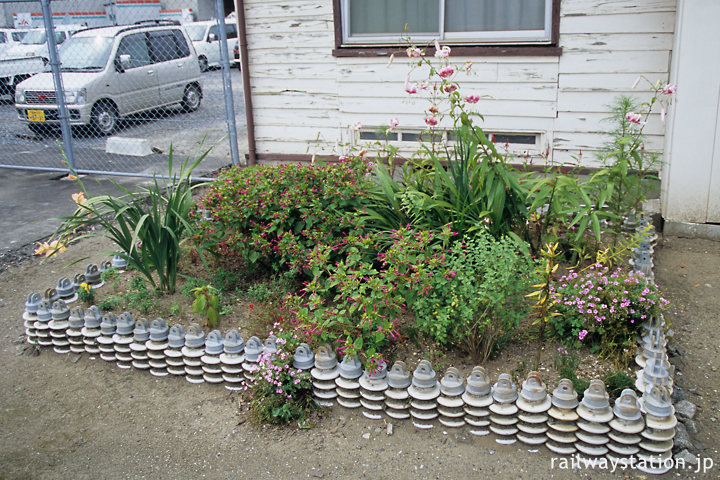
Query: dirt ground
(64, 417)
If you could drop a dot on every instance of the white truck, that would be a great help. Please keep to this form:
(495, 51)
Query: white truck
(25, 59)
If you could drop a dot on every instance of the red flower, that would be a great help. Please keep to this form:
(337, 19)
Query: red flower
(251, 306)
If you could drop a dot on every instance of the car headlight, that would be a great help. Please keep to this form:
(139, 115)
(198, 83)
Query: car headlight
(75, 97)
(19, 95)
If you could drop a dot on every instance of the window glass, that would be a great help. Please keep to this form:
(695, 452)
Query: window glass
(182, 46)
(494, 15)
(18, 36)
(230, 31)
(89, 53)
(136, 46)
(3, 37)
(164, 46)
(195, 32)
(382, 17)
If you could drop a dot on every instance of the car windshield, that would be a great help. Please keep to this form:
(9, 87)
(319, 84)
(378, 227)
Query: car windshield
(85, 53)
(34, 37)
(18, 36)
(195, 32)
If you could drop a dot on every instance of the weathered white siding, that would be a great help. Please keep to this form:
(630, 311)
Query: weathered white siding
(305, 99)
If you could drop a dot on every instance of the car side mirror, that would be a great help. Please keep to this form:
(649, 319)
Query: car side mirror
(122, 62)
(211, 38)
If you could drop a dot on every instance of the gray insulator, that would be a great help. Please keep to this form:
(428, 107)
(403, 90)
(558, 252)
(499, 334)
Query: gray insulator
(627, 406)
(107, 264)
(52, 295)
(350, 368)
(176, 336)
(564, 396)
(478, 383)
(398, 376)
(118, 261)
(108, 324)
(596, 397)
(270, 345)
(125, 324)
(76, 320)
(214, 343)
(656, 372)
(325, 358)
(92, 317)
(657, 402)
(424, 376)
(253, 349)
(159, 330)
(504, 390)
(92, 274)
(141, 332)
(78, 281)
(65, 288)
(32, 303)
(60, 311)
(43, 312)
(451, 383)
(195, 336)
(234, 343)
(304, 359)
(533, 397)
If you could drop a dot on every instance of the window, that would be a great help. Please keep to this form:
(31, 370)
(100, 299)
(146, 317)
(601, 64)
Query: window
(167, 45)
(463, 22)
(135, 45)
(230, 31)
(3, 37)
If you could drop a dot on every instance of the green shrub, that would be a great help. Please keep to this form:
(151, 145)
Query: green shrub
(110, 303)
(273, 217)
(476, 296)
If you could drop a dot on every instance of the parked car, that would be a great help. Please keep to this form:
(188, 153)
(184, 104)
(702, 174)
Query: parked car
(111, 72)
(205, 37)
(10, 37)
(34, 42)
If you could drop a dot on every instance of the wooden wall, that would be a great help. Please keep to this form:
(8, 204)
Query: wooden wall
(305, 99)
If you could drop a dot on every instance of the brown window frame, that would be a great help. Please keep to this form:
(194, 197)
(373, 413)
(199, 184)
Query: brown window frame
(551, 49)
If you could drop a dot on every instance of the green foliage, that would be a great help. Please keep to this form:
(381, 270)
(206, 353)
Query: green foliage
(147, 225)
(139, 297)
(110, 303)
(566, 364)
(272, 217)
(207, 304)
(225, 280)
(86, 293)
(109, 274)
(477, 190)
(616, 381)
(476, 294)
(175, 309)
(271, 290)
(191, 283)
(605, 309)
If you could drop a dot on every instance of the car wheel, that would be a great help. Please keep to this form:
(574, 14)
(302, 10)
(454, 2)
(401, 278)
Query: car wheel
(203, 64)
(191, 98)
(104, 118)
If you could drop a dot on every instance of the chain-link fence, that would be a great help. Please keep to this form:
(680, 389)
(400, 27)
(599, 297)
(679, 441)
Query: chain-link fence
(118, 84)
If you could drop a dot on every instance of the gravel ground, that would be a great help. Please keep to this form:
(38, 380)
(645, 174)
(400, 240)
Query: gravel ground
(79, 417)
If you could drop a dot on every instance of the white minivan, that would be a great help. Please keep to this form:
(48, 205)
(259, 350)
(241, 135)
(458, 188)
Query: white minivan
(10, 37)
(206, 40)
(112, 72)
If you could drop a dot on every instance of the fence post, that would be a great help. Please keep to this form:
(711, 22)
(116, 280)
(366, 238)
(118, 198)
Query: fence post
(57, 79)
(227, 84)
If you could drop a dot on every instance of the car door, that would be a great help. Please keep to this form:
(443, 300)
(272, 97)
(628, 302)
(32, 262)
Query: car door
(136, 88)
(171, 54)
(214, 39)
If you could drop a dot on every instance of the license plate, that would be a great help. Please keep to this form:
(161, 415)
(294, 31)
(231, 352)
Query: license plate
(36, 115)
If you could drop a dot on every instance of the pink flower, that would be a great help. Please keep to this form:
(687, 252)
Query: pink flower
(357, 126)
(472, 98)
(411, 89)
(669, 89)
(446, 72)
(394, 122)
(414, 52)
(449, 88)
(431, 121)
(441, 52)
(634, 118)
(582, 334)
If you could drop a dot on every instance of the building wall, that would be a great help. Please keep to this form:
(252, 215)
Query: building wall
(305, 100)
